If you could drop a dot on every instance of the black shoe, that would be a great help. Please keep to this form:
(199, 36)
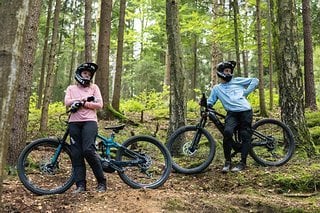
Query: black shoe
(239, 167)
(102, 187)
(226, 167)
(79, 189)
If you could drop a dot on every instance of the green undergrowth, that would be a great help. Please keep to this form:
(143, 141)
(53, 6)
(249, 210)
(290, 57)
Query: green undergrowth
(303, 177)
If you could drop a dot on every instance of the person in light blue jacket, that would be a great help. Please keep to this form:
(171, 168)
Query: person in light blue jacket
(233, 92)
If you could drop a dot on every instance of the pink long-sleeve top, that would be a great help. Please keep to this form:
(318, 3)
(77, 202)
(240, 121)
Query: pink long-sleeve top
(79, 93)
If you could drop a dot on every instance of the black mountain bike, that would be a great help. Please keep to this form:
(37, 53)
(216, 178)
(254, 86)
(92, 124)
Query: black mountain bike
(193, 148)
(45, 166)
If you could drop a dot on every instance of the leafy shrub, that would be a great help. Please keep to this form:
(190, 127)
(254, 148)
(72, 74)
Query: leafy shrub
(54, 124)
(154, 102)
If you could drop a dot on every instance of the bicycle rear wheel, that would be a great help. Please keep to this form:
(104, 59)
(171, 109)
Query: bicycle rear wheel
(37, 171)
(272, 143)
(151, 162)
(192, 149)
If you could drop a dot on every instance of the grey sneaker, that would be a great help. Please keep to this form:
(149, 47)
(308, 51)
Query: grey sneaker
(79, 189)
(102, 187)
(226, 167)
(239, 167)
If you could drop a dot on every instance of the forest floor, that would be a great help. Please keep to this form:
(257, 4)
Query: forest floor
(289, 188)
(211, 191)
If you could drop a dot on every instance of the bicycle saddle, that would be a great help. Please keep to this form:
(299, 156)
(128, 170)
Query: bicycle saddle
(115, 128)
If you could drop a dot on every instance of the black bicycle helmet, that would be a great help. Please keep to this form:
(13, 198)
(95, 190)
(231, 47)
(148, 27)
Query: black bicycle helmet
(91, 67)
(223, 65)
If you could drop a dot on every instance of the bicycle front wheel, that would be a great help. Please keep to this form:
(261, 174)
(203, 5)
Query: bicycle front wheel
(272, 143)
(192, 149)
(147, 160)
(42, 175)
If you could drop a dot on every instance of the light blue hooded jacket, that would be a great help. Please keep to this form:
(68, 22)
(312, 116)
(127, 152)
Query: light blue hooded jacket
(233, 94)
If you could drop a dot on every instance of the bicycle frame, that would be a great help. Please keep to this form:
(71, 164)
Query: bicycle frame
(109, 143)
(62, 142)
(214, 117)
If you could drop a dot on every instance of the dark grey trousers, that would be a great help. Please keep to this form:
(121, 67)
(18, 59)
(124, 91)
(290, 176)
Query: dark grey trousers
(82, 136)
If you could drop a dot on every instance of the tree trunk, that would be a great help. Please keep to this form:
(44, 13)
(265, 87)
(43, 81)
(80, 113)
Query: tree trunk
(270, 55)
(44, 56)
(216, 55)
(13, 15)
(177, 79)
(195, 68)
(262, 101)
(310, 92)
(245, 63)
(118, 74)
(236, 34)
(73, 51)
(18, 135)
(88, 30)
(51, 69)
(102, 75)
(290, 76)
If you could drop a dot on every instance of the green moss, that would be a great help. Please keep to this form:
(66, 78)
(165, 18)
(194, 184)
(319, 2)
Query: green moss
(306, 179)
(315, 134)
(175, 205)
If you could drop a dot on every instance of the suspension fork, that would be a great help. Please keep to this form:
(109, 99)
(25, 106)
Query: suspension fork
(197, 136)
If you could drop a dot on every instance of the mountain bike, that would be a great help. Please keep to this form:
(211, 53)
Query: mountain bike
(193, 148)
(45, 165)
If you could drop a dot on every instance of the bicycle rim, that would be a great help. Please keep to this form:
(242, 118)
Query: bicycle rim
(155, 168)
(187, 157)
(37, 174)
(278, 143)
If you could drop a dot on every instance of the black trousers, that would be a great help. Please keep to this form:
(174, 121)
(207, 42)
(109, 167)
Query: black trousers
(243, 120)
(82, 136)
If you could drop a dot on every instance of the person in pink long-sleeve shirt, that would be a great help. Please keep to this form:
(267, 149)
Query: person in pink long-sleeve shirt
(84, 98)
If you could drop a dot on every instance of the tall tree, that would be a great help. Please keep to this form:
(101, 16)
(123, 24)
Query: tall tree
(270, 55)
(13, 15)
(118, 74)
(310, 92)
(51, 69)
(88, 30)
(216, 54)
(262, 102)
(290, 75)
(177, 79)
(102, 76)
(73, 41)
(18, 134)
(44, 56)
(236, 26)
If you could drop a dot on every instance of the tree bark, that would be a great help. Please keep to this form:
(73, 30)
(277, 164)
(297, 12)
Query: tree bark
(270, 55)
(13, 15)
(290, 76)
(310, 92)
(51, 69)
(177, 79)
(44, 56)
(18, 135)
(118, 74)
(235, 6)
(262, 101)
(102, 75)
(88, 30)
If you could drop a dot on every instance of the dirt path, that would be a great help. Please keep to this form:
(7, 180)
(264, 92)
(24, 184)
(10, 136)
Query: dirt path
(211, 191)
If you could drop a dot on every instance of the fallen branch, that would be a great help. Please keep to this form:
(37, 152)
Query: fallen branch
(301, 195)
